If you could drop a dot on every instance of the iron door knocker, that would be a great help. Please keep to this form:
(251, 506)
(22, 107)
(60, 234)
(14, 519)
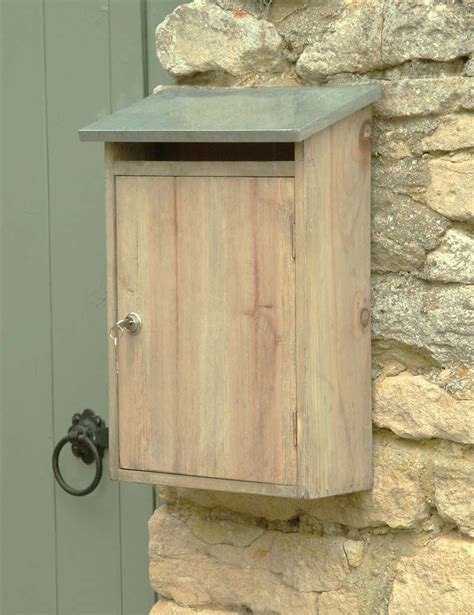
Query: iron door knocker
(89, 437)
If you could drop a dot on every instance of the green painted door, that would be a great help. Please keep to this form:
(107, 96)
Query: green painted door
(64, 64)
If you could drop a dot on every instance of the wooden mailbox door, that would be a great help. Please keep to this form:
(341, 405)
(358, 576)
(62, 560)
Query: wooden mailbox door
(207, 388)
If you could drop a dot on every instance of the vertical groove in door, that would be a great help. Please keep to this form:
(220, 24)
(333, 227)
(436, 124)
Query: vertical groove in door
(78, 90)
(43, 23)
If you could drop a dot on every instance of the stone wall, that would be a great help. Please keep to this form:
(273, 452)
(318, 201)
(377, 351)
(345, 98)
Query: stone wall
(404, 547)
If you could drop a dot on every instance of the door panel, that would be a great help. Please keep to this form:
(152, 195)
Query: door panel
(208, 386)
(62, 554)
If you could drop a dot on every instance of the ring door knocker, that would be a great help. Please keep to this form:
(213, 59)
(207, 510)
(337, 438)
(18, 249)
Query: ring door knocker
(89, 438)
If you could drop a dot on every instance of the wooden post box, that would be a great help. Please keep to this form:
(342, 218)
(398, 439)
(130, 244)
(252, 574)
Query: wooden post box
(238, 232)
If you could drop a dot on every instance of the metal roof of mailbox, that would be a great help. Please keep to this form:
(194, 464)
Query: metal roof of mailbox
(257, 114)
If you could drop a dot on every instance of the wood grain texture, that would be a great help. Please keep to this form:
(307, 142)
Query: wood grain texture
(332, 186)
(205, 169)
(208, 387)
(212, 484)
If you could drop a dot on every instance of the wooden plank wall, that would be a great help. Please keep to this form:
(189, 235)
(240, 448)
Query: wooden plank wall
(64, 64)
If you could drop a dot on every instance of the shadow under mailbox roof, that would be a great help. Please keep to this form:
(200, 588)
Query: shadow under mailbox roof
(232, 114)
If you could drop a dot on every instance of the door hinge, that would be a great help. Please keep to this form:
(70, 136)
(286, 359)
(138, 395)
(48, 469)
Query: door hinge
(295, 429)
(293, 240)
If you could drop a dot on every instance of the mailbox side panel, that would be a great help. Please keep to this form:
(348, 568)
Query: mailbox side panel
(332, 189)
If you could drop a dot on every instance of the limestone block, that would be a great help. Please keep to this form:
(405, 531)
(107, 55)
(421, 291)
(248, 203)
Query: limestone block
(354, 550)
(309, 563)
(170, 536)
(201, 37)
(425, 29)
(255, 7)
(340, 602)
(453, 133)
(303, 23)
(436, 319)
(406, 176)
(395, 139)
(390, 358)
(303, 561)
(453, 259)
(451, 186)
(403, 230)
(224, 531)
(168, 607)
(195, 573)
(195, 562)
(458, 382)
(425, 96)
(272, 508)
(207, 582)
(396, 499)
(350, 43)
(402, 138)
(454, 488)
(437, 580)
(413, 407)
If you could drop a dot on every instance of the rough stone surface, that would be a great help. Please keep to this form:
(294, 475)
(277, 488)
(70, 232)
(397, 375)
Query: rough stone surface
(437, 580)
(412, 407)
(395, 139)
(227, 576)
(390, 358)
(458, 382)
(224, 531)
(408, 176)
(469, 67)
(402, 546)
(351, 43)
(437, 319)
(397, 498)
(232, 42)
(453, 133)
(168, 607)
(451, 186)
(454, 489)
(342, 603)
(453, 259)
(309, 563)
(258, 506)
(403, 230)
(354, 550)
(428, 30)
(425, 96)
